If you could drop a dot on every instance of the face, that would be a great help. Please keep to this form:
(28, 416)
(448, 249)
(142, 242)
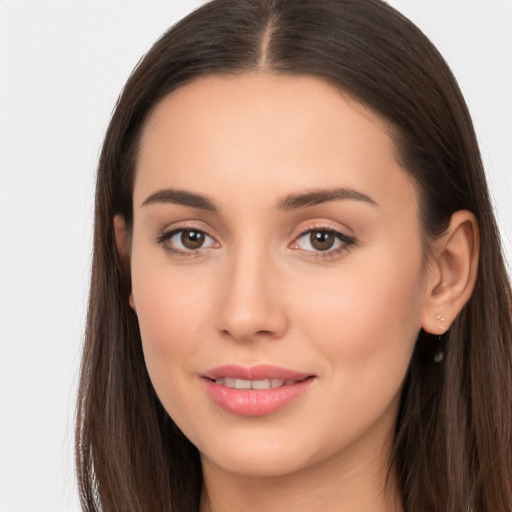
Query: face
(277, 269)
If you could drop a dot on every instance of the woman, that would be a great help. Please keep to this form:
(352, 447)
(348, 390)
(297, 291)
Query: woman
(298, 296)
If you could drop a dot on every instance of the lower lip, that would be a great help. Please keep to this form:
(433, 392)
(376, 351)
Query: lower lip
(255, 402)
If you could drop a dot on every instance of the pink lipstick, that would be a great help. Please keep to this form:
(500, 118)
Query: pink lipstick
(256, 390)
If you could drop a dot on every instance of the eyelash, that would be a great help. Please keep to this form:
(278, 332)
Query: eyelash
(346, 242)
(165, 236)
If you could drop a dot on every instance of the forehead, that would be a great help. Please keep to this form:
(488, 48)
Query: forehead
(288, 131)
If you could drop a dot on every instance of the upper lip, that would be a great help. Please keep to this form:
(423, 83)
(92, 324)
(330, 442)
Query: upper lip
(257, 372)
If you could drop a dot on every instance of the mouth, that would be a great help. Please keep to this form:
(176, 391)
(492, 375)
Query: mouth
(255, 391)
(255, 384)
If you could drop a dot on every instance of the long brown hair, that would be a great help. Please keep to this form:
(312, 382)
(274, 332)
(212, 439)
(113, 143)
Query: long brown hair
(453, 439)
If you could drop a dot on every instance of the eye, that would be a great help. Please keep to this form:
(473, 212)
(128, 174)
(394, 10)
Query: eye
(322, 240)
(326, 241)
(184, 241)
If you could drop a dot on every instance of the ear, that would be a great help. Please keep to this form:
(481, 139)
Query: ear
(122, 237)
(452, 273)
(123, 246)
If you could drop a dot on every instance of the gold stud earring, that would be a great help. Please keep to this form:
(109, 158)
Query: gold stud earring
(441, 319)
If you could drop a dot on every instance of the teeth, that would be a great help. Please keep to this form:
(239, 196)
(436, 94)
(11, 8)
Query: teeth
(260, 384)
(242, 384)
(230, 383)
(253, 384)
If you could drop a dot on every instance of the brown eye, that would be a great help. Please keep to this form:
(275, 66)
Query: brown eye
(192, 239)
(322, 240)
(181, 242)
(323, 243)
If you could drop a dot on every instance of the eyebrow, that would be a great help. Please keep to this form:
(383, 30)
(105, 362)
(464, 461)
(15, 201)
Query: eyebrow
(290, 202)
(170, 195)
(315, 197)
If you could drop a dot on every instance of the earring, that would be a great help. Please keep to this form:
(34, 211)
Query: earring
(439, 355)
(441, 319)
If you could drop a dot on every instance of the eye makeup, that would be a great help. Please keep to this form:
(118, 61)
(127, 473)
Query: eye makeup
(319, 241)
(186, 240)
(323, 243)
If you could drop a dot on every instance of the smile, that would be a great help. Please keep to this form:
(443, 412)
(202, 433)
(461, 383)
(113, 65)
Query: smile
(255, 391)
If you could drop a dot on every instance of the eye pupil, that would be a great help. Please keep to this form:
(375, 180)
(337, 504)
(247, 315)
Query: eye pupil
(192, 239)
(322, 240)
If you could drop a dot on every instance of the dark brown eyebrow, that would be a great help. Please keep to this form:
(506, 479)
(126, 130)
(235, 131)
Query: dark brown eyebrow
(315, 197)
(290, 202)
(171, 195)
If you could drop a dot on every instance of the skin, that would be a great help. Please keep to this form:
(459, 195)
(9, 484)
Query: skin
(257, 291)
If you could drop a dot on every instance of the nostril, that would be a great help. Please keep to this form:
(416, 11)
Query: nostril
(239, 334)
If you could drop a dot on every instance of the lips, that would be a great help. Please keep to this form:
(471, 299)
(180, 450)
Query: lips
(254, 391)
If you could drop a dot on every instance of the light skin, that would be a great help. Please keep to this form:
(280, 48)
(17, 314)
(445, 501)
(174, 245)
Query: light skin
(253, 166)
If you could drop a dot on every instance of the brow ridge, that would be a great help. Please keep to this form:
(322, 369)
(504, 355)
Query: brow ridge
(182, 197)
(319, 196)
(290, 202)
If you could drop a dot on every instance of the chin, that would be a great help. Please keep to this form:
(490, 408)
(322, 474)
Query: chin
(264, 457)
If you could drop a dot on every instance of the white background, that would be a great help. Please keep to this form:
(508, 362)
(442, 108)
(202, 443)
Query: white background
(62, 65)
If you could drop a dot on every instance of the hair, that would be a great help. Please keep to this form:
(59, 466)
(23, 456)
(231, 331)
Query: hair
(452, 447)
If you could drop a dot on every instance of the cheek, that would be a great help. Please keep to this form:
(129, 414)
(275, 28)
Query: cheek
(171, 313)
(366, 315)
(364, 323)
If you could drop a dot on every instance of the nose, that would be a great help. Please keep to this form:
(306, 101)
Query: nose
(251, 304)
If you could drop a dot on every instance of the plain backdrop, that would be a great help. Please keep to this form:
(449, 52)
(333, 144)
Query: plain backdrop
(62, 66)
